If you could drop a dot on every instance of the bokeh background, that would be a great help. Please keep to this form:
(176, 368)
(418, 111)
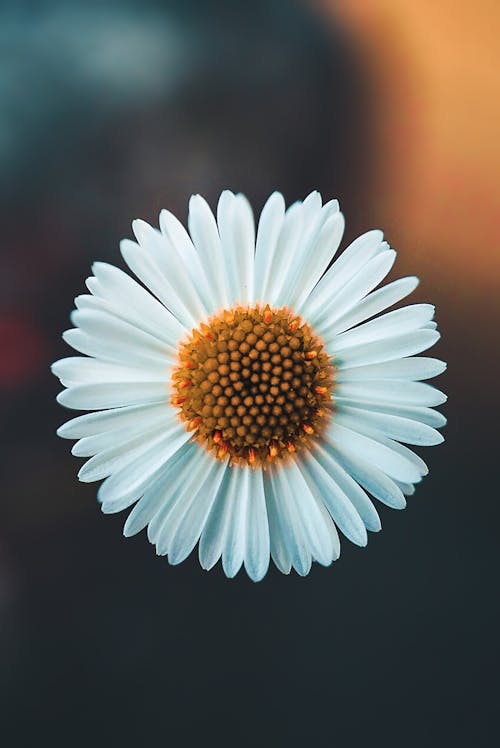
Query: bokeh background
(112, 111)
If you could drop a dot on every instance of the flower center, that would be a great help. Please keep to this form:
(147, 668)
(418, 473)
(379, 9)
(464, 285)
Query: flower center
(254, 384)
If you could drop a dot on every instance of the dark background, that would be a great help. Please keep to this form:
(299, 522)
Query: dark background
(109, 112)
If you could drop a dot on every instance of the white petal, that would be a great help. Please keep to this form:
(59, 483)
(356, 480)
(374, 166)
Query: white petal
(237, 233)
(129, 496)
(402, 450)
(386, 350)
(215, 529)
(279, 549)
(233, 550)
(395, 427)
(370, 477)
(147, 269)
(314, 529)
(268, 232)
(83, 370)
(343, 269)
(224, 219)
(169, 336)
(176, 259)
(329, 523)
(121, 435)
(193, 511)
(133, 303)
(377, 454)
(300, 227)
(160, 440)
(107, 420)
(358, 286)
(105, 327)
(181, 255)
(342, 510)
(292, 533)
(244, 246)
(393, 392)
(159, 491)
(204, 233)
(398, 322)
(111, 395)
(183, 490)
(173, 478)
(289, 237)
(408, 489)
(412, 369)
(177, 238)
(415, 413)
(257, 529)
(374, 303)
(132, 479)
(351, 490)
(109, 348)
(311, 264)
(302, 267)
(311, 208)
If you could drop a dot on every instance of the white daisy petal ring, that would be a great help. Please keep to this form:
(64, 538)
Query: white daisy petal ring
(245, 395)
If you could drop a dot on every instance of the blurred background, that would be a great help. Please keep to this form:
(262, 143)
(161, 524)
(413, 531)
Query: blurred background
(110, 111)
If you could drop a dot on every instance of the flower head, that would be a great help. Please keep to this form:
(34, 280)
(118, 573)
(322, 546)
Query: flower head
(246, 395)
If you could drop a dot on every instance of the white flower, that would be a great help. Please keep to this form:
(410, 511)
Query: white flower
(247, 397)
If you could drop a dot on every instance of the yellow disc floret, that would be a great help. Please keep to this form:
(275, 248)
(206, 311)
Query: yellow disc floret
(254, 384)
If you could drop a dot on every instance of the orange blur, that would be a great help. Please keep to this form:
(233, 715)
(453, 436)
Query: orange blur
(433, 73)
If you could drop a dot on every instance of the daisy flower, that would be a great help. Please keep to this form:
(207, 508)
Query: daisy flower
(245, 395)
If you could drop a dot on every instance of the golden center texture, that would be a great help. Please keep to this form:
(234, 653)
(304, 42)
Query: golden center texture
(254, 383)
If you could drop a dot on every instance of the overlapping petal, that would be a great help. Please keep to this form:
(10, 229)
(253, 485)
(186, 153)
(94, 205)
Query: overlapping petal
(128, 332)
